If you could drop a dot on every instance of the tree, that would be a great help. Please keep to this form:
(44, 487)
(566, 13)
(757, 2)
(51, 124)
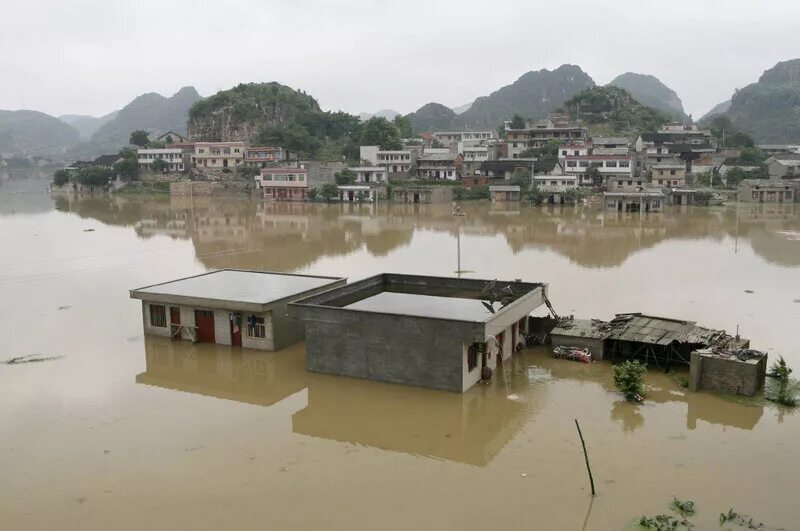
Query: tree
(403, 125)
(380, 132)
(345, 177)
(159, 165)
(61, 177)
(169, 139)
(329, 191)
(139, 138)
(534, 194)
(521, 178)
(734, 176)
(517, 122)
(127, 168)
(629, 379)
(593, 172)
(547, 151)
(93, 176)
(312, 193)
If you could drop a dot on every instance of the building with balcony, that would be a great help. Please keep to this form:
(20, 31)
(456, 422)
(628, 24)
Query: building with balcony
(218, 155)
(608, 166)
(283, 184)
(263, 156)
(173, 160)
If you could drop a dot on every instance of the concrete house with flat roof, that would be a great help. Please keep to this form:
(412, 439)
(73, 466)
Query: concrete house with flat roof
(230, 307)
(438, 332)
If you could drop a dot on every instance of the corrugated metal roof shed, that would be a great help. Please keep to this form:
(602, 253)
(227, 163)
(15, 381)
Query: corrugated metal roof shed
(582, 328)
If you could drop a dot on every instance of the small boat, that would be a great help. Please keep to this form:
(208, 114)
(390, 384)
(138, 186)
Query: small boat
(573, 354)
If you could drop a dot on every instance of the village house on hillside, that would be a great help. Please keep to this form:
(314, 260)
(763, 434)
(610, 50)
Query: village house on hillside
(540, 133)
(218, 155)
(433, 164)
(174, 160)
(283, 184)
(783, 165)
(263, 156)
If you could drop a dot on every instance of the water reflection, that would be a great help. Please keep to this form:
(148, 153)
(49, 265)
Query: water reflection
(244, 233)
(24, 191)
(471, 428)
(715, 409)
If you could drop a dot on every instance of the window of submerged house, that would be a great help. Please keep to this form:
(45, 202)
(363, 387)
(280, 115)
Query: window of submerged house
(158, 315)
(256, 327)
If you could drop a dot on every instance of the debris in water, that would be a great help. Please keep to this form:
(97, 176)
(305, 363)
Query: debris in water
(31, 358)
(88, 230)
(65, 307)
(524, 475)
(749, 291)
(796, 300)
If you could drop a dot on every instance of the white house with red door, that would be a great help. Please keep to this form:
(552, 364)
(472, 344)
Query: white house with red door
(230, 307)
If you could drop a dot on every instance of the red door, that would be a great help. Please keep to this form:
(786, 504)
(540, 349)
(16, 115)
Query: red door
(175, 322)
(204, 321)
(236, 329)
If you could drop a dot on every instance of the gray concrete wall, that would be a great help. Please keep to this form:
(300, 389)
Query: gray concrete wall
(730, 376)
(390, 348)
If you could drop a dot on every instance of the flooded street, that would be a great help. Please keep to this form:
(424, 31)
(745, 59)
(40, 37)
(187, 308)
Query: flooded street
(124, 432)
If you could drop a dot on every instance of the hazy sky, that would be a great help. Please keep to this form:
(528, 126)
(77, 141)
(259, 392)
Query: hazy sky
(94, 56)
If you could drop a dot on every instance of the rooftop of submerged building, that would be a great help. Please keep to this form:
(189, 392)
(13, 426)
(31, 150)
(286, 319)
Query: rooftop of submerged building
(451, 298)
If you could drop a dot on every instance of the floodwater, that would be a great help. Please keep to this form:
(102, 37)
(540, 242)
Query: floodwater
(124, 432)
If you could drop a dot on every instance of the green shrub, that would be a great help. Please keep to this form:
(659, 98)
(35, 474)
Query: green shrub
(61, 177)
(629, 379)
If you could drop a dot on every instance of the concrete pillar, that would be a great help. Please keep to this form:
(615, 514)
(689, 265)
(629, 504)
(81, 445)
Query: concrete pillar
(695, 371)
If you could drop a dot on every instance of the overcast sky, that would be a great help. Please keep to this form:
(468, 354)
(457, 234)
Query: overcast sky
(94, 56)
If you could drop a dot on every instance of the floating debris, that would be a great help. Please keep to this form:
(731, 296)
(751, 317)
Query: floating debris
(31, 358)
(573, 354)
(88, 230)
(749, 291)
(65, 307)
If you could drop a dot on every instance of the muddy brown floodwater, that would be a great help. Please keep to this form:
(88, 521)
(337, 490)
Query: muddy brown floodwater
(123, 432)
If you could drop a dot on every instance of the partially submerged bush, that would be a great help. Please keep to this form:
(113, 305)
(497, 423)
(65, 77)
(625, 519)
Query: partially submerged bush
(629, 379)
(784, 392)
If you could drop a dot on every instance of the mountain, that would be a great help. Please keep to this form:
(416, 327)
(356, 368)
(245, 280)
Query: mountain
(533, 95)
(769, 110)
(432, 117)
(650, 91)
(612, 110)
(87, 125)
(29, 133)
(462, 108)
(273, 114)
(718, 109)
(152, 112)
(389, 114)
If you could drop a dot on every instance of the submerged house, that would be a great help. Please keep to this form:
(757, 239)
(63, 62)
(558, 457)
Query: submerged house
(437, 332)
(507, 192)
(230, 307)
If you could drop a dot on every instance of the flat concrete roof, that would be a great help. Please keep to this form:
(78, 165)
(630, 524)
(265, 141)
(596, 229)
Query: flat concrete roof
(455, 308)
(235, 286)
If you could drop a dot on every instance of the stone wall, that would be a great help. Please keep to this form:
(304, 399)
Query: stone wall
(707, 371)
(194, 188)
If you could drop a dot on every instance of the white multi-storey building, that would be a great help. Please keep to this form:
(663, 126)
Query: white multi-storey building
(218, 154)
(608, 166)
(173, 159)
